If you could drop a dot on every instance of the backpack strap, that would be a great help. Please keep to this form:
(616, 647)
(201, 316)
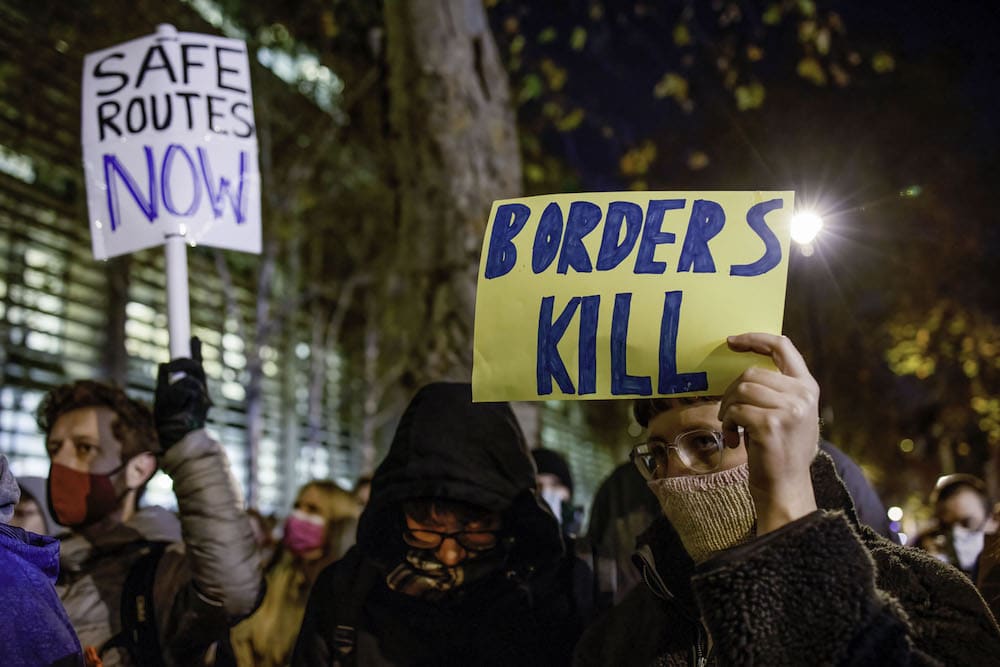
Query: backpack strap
(139, 634)
(345, 633)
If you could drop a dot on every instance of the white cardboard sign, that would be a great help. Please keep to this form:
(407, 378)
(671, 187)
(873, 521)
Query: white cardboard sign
(170, 144)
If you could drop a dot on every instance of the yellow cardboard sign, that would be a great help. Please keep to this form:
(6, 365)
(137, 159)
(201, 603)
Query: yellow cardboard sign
(626, 294)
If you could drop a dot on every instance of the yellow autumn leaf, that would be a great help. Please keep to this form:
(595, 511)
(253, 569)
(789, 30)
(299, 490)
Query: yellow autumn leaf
(671, 85)
(811, 70)
(697, 160)
(772, 15)
(682, 36)
(883, 62)
(554, 74)
(570, 121)
(750, 96)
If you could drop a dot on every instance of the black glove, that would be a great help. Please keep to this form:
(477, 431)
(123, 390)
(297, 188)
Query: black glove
(181, 404)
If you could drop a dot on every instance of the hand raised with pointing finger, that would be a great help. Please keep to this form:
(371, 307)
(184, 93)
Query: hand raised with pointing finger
(181, 403)
(779, 412)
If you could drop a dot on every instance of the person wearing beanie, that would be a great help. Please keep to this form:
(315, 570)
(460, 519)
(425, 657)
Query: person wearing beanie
(35, 630)
(555, 484)
(759, 557)
(457, 561)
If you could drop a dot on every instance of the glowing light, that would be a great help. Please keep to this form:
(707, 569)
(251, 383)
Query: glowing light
(895, 513)
(805, 227)
(906, 445)
(903, 537)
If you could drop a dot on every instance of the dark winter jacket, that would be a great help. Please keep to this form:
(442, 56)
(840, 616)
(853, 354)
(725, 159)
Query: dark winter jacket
(822, 590)
(522, 614)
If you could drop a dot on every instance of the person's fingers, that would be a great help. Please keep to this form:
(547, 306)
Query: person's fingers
(781, 350)
(750, 417)
(759, 386)
(162, 376)
(189, 367)
(196, 349)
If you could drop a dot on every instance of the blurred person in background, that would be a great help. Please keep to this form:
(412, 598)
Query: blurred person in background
(32, 511)
(964, 516)
(318, 532)
(555, 484)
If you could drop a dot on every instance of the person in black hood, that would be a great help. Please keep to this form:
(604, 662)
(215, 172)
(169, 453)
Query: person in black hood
(457, 560)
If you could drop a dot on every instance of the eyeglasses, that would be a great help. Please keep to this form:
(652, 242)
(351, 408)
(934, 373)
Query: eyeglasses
(472, 540)
(699, 450)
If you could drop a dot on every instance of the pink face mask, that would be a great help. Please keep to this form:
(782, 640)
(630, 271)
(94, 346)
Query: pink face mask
(304, 532)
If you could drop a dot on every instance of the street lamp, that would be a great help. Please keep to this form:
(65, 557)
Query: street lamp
(805, 227)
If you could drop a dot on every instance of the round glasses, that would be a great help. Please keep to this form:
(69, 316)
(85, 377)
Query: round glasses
(471, 540)
(699, 450)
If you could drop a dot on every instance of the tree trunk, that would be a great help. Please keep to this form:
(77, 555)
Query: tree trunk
(454, 142)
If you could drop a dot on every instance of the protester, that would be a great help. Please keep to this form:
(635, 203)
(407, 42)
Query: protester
(32, 511)
(759, 557)
(457, 561)
(555, 484)
(318, 532)
(35, 630)
(142, 587)
(622, 509)
(964, 516)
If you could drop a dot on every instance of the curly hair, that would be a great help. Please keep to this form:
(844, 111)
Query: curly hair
(644, 409)
(133, 425)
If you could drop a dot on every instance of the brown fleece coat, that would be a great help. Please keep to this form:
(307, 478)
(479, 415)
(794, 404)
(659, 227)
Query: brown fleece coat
(822, 590)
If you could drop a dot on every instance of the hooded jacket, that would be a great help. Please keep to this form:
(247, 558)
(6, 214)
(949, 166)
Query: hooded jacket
(206, 580)
(34, 630)
(822, 590)
(524, 613)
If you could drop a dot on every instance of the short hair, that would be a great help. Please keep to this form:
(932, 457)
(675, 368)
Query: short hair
(133, 426)
(644, 409)
(950, 485)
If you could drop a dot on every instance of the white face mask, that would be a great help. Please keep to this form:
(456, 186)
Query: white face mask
(968, 544)
(554, 500)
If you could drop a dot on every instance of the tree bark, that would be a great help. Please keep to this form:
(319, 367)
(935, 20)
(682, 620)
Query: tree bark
(454, 142)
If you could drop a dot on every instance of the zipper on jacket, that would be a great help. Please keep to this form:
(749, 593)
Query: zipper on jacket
(700, 659)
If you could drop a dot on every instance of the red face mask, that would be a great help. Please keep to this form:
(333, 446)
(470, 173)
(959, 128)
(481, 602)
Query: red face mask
(80, 498)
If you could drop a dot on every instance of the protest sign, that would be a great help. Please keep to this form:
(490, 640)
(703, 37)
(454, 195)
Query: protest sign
(626, 294)
(170, 144)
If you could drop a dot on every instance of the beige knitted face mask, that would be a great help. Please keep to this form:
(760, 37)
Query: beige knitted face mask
(710, 512)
